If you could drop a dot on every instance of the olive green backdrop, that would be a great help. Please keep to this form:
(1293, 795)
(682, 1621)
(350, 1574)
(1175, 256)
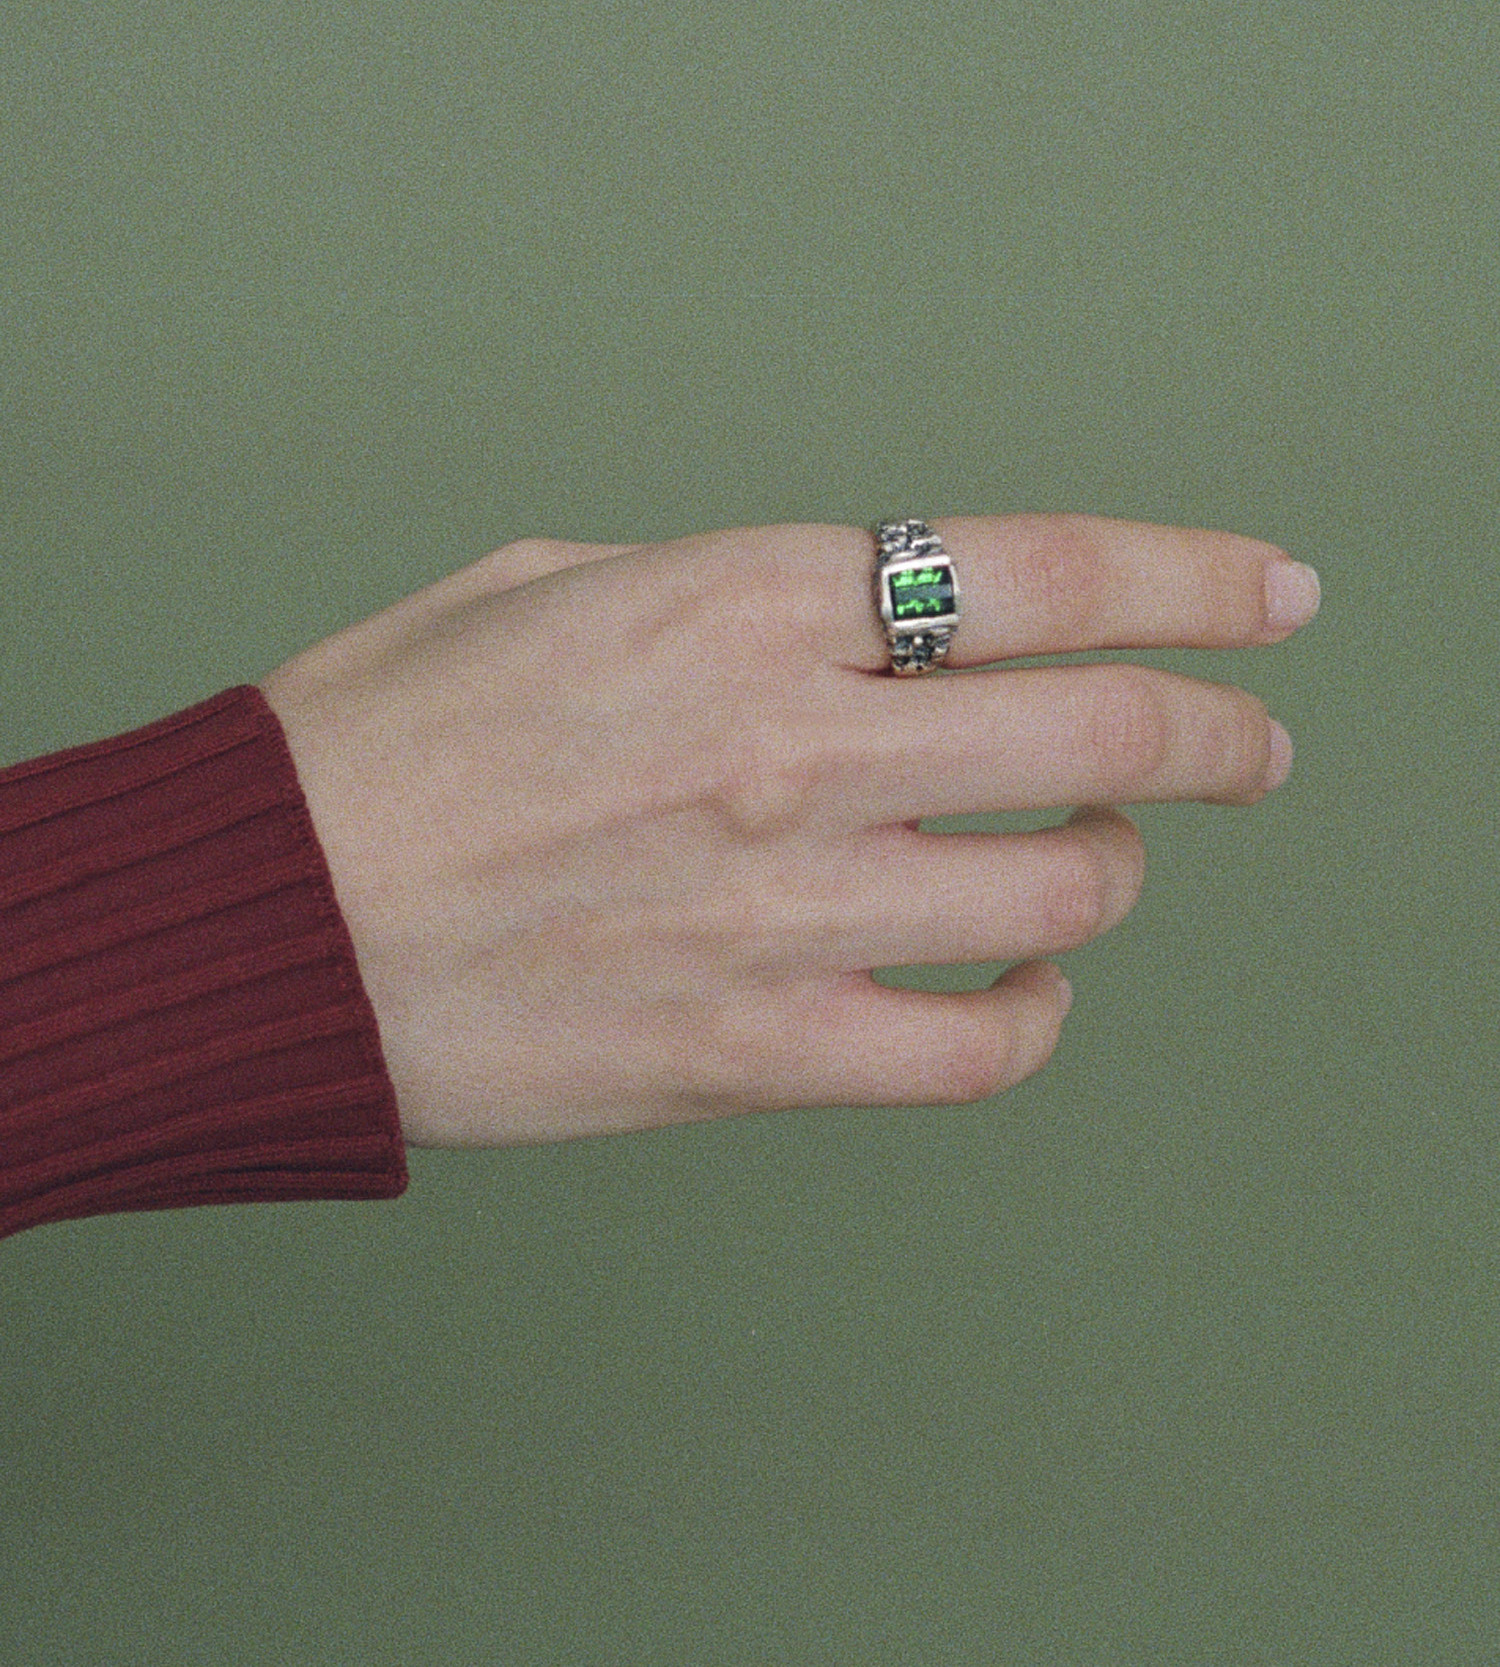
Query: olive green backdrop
(1184, 1352)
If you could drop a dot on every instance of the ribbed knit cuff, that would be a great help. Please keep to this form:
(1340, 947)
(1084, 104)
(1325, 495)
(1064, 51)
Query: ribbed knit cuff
(182, 1019)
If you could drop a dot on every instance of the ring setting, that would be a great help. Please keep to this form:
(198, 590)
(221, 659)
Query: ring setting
(917, 595)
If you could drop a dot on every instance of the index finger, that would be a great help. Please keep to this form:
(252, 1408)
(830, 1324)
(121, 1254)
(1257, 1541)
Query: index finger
(1058, 584)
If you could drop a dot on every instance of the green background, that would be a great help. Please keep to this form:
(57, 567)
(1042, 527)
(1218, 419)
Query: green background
(1184, 1351)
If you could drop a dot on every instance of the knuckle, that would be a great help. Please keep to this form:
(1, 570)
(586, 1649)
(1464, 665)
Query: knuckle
(528, 545)
(527, 552)
(724, 1062)
(1256, 756)
(1039, 1055)
(1129, 728)
(1132, 867)
(1126, 863)
(767, 783)
(1075, 896)
(984, 1061)
(520, 560)
(993, 1058)
(1234, 745)
(736, 1054)
(1061, 565)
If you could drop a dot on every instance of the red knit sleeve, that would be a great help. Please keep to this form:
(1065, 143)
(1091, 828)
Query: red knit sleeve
(182, 1019)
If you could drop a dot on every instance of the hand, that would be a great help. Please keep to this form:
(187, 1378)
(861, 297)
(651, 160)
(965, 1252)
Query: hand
(619, 831)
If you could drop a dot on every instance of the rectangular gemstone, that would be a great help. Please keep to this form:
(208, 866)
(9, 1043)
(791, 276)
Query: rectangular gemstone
(920, 591)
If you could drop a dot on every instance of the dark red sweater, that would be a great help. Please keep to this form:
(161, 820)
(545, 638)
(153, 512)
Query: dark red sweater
(182, 1019)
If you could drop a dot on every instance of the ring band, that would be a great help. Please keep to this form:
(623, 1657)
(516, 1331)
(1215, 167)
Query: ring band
(917, 594)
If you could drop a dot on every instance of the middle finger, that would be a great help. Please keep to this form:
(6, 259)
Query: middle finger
(1035, 738)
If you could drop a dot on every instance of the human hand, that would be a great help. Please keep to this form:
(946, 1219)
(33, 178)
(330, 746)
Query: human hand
(620, 831)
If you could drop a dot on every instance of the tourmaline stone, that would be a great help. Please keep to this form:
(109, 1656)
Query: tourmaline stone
(917, 592)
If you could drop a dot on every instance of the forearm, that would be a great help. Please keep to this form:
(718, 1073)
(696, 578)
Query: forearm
(181, 1015)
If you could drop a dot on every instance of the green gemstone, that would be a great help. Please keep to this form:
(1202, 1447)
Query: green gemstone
(919, 591)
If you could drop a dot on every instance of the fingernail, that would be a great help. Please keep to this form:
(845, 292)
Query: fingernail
(1280, 766)
(1065, 989)
(1292, 595)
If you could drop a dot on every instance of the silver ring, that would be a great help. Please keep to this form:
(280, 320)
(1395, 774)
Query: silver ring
(916, 590)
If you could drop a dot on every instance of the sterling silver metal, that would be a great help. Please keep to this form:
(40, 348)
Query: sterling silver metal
(916, 645)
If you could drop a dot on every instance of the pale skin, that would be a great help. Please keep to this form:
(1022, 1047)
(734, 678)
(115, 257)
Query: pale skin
(620, 832)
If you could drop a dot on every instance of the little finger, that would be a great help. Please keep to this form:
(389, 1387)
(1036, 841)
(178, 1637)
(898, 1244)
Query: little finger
(936, 899)
(853, 1042)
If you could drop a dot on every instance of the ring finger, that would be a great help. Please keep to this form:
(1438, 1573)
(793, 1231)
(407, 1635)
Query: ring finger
(1057, 584)
(905, 898)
